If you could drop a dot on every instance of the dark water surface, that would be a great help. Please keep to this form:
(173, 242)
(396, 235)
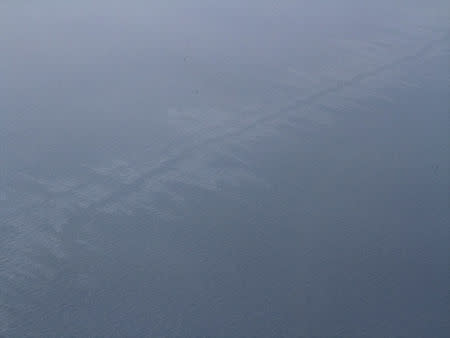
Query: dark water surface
(320, 211)
(337, 241)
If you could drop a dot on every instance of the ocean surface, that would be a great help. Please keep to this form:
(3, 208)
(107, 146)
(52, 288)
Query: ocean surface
(152, 190)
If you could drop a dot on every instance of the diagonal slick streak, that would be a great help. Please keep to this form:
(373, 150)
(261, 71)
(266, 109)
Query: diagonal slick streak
(89, 214)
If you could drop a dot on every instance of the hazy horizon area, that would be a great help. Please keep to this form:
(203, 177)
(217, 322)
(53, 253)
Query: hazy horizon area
(237, 169)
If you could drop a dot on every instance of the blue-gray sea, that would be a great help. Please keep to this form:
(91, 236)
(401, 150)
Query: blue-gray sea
(244, 170)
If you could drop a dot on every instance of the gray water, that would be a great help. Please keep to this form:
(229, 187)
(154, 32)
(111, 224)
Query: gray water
(257, 169)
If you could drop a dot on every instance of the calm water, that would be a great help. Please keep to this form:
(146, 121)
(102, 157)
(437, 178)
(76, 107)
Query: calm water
(322, 214)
